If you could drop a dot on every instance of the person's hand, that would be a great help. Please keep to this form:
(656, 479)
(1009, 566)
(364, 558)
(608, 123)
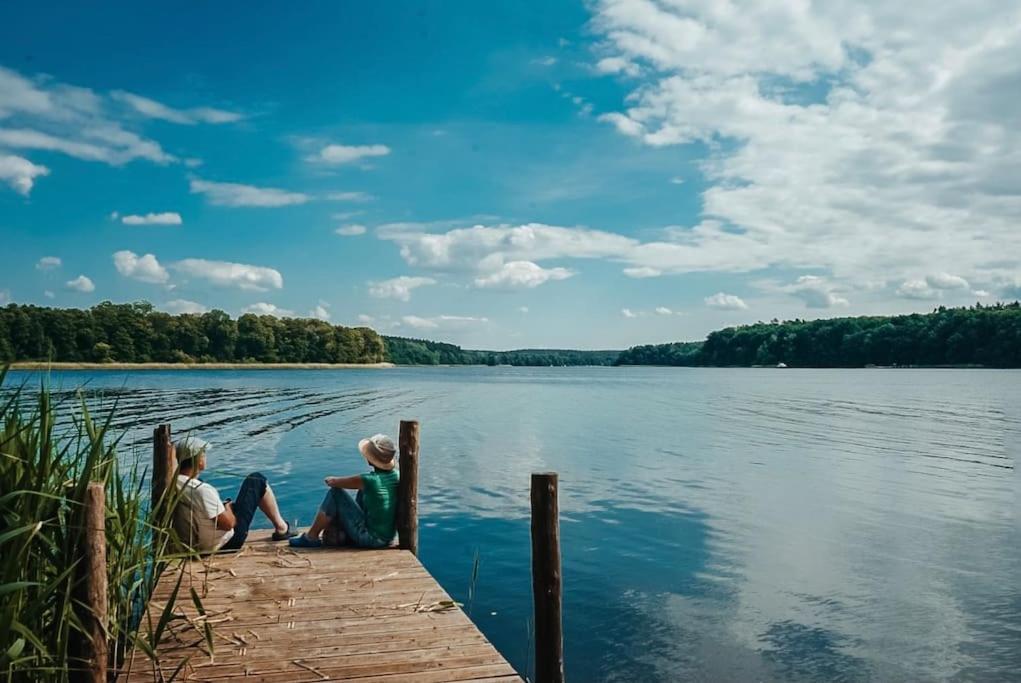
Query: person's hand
(332, 482)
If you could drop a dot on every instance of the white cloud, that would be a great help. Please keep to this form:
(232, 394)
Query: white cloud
(5, 297)
(628, 313)
(917, 289)
(346, 154)
(184, 306)
(623, 124)
(48, 263)
(48, 294)
(350, 230)
(165, 218)
(663, 310)
(545, 61)
(617, 65)
(81, 284)
(20, 173)
(816, 292)
(365, 318)
(521, 275)
(236, 194)
(867, 140)
(399, 288)
(677, 180)
(946, 281)
(227, 274)
(726, 302)
(348, 197)
(143, 268)
(263, 308)
(156, 110)
(523, 309)
(642, 272)
(320, 312)
(419, 323)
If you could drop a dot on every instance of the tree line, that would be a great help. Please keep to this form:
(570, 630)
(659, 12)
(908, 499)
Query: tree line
(406, 351)
(980, 335)
(137, 333)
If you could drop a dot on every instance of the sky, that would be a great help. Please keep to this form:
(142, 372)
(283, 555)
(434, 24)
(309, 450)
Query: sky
(513, 174)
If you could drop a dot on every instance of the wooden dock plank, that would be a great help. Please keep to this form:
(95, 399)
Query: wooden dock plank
(279, 614)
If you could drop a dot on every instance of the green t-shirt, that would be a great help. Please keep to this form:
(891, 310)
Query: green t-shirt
(379, 500)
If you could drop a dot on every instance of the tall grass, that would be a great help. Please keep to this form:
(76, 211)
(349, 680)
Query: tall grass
(43, 478)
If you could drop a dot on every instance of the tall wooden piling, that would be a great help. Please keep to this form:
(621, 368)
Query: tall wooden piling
(407, 489)
(92, 596)
(164, 464)
(547, 579)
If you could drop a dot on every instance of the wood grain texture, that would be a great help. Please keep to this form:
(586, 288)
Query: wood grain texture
(407, 488)
(92, 598)
(546, 579)
(280, 614)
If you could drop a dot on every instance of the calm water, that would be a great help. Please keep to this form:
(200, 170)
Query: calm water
(717, 524)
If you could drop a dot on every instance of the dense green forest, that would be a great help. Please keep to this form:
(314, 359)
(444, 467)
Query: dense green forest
(137, 333)
(404, 351)
(981, 335)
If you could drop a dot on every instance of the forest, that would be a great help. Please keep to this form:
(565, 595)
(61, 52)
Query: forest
(137, 333)
(989, 336)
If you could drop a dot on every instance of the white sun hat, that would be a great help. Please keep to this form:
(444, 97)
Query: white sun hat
(379, 451)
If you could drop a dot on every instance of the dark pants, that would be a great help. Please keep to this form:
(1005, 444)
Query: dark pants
(253, 488)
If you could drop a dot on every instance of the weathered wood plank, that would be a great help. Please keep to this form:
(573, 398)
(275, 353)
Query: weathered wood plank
(333, 614)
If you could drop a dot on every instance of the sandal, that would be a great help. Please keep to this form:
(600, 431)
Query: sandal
(284, 535)
(304, 541)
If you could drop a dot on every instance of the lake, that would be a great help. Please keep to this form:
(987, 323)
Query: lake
(717, 524)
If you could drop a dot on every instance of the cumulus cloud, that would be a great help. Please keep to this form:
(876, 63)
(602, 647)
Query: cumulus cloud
(726, 302)
(419, 323)
(663, 310)
(48, 263)
(442, 321)
(521, 275)
(5, 297)
(348, 197)
(346, 154)
(184, 306)
(946, 281)
(365, 318)
(642, 272)
(142, 268)
(20, 173)
(165, 218)
(320, 312)
(816, 292)
(155, 110)
(81, 284)
(628, 313)
(350, 230)
(868, 140)
(48, 294)
(227, 274)
(237, 194)
(263, 308)
(617, 65)
(399, 288)
(917, 289)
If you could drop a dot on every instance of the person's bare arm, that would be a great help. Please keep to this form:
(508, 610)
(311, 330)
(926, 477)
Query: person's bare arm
(226, 520)
(354, 482)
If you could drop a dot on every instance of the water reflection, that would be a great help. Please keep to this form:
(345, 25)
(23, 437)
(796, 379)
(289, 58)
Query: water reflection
(717, 524)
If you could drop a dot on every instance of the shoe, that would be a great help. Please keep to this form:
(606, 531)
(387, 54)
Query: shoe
(304, 541)
(284, 535)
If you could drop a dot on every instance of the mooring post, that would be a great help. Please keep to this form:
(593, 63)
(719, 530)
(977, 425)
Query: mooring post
(407, 488)
(547, 579)
(164, 464)
(92, 596)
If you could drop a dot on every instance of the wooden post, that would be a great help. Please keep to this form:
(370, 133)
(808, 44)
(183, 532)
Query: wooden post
(547, 579)
(93, 594)
(164, 464)
(407, 489)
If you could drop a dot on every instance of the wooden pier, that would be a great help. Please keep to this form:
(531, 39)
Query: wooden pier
(276, 614)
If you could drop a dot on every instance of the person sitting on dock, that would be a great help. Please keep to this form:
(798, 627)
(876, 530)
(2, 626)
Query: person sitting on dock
(370, 519)
(206, 524)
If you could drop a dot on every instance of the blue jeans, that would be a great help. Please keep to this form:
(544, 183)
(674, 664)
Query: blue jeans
(338, 505)
(253, 488)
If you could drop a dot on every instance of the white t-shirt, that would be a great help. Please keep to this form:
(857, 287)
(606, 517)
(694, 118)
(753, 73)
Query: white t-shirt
(203, 505)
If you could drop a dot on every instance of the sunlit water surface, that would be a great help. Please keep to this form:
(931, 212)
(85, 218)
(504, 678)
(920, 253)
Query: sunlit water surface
(716, 524)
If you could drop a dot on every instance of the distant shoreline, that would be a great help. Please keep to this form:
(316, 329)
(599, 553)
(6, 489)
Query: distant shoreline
(35, 365)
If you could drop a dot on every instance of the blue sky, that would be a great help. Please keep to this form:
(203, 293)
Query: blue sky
(510, 174)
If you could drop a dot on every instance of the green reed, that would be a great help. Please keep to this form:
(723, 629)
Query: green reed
(43, 479)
